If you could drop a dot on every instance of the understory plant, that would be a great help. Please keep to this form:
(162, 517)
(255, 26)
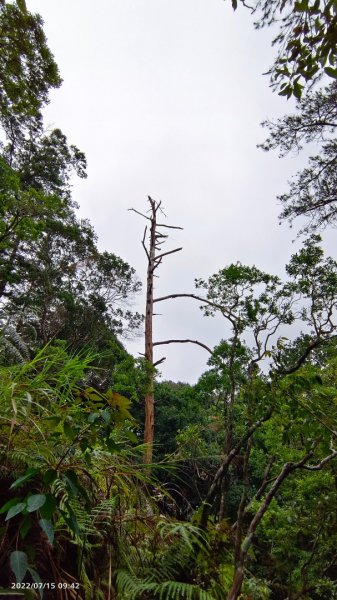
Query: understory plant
(79, 511)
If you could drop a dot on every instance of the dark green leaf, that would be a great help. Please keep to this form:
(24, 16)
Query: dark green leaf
(48, 529)
(331, 72)
(19, 564)
(301, 6)
(93, 417)
(28, 475)
(25, 526)
(35, 502)
(69, 431)
(50, 476)
(106, 416)
(298, 90)
(15, 510)
(71, 520)
(9, 505)
(72, 487)
(48, 509)
(37, 579)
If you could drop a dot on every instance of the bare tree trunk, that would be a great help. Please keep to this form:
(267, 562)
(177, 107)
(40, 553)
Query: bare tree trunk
(154, 259)
(235, 590)
(243, 504)
(149, 394)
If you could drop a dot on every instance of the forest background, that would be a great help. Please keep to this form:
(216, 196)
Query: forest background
(234, 496)
(169, 88)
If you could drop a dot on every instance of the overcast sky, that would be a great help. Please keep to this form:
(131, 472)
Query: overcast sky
(166, 97)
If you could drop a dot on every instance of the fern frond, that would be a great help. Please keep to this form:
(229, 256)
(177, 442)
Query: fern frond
(13, 346)
(132, 588)
(189, 534)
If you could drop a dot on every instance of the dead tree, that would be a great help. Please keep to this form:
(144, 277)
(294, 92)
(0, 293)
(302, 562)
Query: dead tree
(154, 256)
(154, 259)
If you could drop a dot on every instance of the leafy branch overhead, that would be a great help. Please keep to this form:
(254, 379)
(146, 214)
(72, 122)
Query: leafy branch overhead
(306, 40)
(312, 192)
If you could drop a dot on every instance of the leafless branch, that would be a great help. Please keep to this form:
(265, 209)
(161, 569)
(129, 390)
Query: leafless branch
(144, 246)
(158, 362)
(166, 253)
(169, 226)
(224, 311)
(172, 296)
(301, 360)
(264, 484)
(184, 342)
(321, 464)
(139, 213)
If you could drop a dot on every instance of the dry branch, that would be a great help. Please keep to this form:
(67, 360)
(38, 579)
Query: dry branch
(184, 342)
(139, 213)
(169, 252)
(169, 226)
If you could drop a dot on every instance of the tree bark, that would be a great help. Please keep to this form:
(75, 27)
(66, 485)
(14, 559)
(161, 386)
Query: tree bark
(149, 394)
(154, 259)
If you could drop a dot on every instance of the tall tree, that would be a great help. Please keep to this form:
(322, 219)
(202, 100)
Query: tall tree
(307, 52)
(27, 72)
(154, 256)
(51, 271)
(257, 307)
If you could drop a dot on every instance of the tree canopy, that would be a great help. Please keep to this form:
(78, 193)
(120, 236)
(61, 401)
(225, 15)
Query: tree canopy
(306, 40)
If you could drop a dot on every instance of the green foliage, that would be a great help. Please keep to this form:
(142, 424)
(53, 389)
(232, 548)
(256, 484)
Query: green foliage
(306, 40)
(28, 71)
(19, 564)
(312, 192)
(255, 589)
(290, 412)
(57, 439)
(54, 282)
(246, 455)
(132, 588)
(176, 408)
(162, 571)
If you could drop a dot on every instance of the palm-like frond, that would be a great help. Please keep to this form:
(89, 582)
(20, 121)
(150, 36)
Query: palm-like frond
(131, 587)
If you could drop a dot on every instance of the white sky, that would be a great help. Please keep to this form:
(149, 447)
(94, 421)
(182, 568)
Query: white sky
(165, 98)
